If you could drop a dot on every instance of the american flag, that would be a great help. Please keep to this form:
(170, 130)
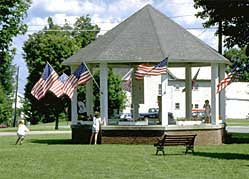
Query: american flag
(79, 77)
(234, 74)
(57, 87)
(193, 80)
(127, 84)
(49, 76)
(145, 70)
(127, 80)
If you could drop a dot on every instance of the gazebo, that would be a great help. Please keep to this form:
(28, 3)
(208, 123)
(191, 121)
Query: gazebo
(148, 36)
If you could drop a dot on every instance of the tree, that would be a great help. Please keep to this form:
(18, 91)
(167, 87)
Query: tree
(239, 59)
(233, 17)
(12, 14)
(52, 44)
(5, 107)
(116, 95)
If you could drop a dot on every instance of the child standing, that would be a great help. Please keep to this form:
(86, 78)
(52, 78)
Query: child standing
(207, 108)
(95, 128)
(21, 131)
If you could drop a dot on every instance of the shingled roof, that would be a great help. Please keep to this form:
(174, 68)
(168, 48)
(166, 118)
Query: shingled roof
(147, 36)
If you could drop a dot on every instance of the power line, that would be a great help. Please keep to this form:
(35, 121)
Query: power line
(107, 22)
(105, 30)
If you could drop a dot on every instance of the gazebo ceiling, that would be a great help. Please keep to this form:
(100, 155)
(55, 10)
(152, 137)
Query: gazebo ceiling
(147, 36)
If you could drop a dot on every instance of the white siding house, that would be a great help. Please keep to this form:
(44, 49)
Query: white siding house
(237, 94)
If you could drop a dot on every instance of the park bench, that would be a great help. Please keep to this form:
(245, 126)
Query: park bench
(175, 140)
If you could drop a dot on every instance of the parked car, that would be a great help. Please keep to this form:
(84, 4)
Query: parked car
(247, 116)
(198, 114)
(127, 116)
(154, 113)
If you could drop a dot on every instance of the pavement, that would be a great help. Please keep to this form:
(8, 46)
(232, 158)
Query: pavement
(35, 133)
(238, 129)
(234, 129)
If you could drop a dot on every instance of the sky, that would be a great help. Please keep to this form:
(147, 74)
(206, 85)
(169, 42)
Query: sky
(106, 14)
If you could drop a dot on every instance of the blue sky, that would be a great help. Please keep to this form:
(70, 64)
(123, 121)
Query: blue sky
(107, 14)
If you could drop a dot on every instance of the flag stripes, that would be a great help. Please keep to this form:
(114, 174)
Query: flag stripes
(235, 73)
(49, 76)
(146, 70)
(57, 87)
(225, 82)
(79, 77)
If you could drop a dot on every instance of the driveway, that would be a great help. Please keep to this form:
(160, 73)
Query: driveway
(35, 133)
(238, 129)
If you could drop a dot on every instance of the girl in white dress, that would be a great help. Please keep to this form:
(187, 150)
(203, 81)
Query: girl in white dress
(207, 108)
(95, 128)
(21, 131)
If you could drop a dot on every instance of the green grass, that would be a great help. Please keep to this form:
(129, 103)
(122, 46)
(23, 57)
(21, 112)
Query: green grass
(52, 156)
(237, 122)
(41, 127)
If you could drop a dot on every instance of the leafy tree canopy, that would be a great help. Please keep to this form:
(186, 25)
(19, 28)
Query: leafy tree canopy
(238, 59)
(116, 95)
(12, 13)
(53, 44)
(5, 107)
(234, 17)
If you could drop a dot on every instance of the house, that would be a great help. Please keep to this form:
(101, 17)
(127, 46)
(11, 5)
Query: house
(237, 94)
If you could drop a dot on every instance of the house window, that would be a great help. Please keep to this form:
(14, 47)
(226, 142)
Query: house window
(196, 106)
(160, 90)
(177, 88)
(196, 86)
(177, 105)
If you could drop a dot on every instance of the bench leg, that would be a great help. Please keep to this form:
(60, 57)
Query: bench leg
(189, 148)
(186, 150)
(160, 149)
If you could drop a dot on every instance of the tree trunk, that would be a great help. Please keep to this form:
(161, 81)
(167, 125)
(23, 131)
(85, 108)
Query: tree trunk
(57, 122)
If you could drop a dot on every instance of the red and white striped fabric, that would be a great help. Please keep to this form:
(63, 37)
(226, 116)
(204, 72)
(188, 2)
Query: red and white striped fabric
(57, 87)
(49, 76)
(79, 77)
(146, 70)
(225, 82)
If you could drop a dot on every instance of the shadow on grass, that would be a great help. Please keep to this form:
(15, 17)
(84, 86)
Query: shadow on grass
(237, 138)
(225, 156)
(51, 141)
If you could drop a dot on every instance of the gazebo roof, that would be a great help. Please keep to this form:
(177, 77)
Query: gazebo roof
(147, 36)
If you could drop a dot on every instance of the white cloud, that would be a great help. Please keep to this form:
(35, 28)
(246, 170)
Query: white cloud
(183, 8)
(58, 6)
(130, 6)
(105, 24)
(36, 24)
(60, 19)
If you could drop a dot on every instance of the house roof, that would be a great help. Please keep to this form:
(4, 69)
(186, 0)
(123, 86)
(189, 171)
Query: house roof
(147, 36)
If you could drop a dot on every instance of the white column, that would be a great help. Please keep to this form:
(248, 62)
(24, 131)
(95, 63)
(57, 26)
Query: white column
(188, 92)
(135, 103)
(222, 94)
(104, 92)
(165, 100)
(214, 95)
(74, 101)
(89, 96)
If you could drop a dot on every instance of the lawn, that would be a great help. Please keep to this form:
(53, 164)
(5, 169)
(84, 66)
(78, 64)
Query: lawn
(52, 156)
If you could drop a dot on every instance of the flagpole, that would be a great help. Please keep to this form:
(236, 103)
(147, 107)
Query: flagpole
(92, 76)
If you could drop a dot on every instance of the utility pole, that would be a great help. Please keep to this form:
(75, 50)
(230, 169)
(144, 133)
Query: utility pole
(17, 78)
(220, 37)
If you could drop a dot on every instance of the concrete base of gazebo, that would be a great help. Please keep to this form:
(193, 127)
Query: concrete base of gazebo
(207, 134)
